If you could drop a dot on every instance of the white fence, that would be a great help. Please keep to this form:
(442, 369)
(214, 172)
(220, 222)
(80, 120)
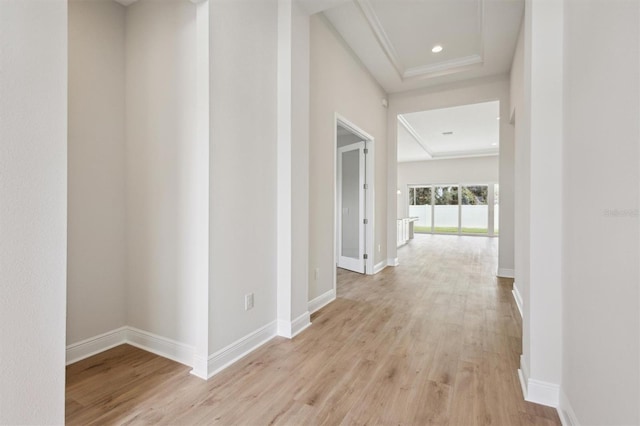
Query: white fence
(447, 216)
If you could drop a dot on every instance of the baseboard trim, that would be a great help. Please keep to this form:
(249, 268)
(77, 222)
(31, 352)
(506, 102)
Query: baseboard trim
(292, 329)
(96, 344)
(518, 298)
(226, 356)
(380, 266)
(159, 345)
(506, 273)
(565, 411)
(393, 262)
(321, 301)
(537, 391)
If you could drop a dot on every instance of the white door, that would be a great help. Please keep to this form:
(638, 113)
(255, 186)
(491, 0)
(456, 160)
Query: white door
(351, 207)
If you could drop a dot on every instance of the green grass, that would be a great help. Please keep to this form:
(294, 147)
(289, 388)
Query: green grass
(450, 230)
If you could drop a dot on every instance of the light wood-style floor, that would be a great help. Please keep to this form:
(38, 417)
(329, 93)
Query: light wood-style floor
(435, 340)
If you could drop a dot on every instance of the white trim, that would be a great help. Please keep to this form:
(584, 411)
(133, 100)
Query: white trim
(292, 329)
(518, 298)
(321, 301)
(96, 344)
(226, 356)
(409, 128)
(159, 345)
(430, 70)
(380, 266)
(370, 192)
(506, 273)
(393, 262)
(537, 391)
(565, 411)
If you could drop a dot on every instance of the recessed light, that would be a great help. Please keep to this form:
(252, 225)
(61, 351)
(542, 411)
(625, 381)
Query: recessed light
(437, 48)
(494, 144)
(497, 118)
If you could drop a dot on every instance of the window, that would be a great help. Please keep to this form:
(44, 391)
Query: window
(446, 209)
(420, 200)
(474, 209)
(455, 209)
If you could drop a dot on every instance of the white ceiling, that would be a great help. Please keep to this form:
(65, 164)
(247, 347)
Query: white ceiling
(475, 132)
(393, 38)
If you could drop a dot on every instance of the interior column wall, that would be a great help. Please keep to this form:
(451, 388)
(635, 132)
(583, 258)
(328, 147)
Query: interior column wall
(163, 169)
(33, 210)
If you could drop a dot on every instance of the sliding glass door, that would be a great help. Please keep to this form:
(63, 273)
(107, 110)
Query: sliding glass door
(446, 209)
(455, 209)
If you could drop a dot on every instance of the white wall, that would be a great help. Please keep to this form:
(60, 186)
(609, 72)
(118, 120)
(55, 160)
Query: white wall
(339, 84)
(463, 93)
(96, 230)
(455, 170)
(243, 46)
(162, 168)
(600, 305)
(33, 210)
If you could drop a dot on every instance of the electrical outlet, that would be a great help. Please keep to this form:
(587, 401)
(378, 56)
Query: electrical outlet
(248, 301)
(317, 274)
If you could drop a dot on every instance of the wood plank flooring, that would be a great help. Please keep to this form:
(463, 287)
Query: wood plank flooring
(434, 341)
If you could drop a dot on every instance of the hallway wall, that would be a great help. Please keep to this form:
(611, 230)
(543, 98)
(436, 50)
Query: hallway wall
(601, 294)
(339, 84)
(96, 282)
(33, 210)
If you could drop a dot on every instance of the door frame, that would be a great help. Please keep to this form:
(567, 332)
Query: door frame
(340, 120)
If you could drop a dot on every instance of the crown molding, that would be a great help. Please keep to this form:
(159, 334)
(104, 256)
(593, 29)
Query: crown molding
(415, 135)
(424, 71)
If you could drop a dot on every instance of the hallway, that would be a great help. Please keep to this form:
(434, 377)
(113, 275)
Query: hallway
(435, 340)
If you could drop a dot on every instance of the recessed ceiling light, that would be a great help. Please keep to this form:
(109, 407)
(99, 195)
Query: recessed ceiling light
(437, 48)
(497, 118)
(494, 144)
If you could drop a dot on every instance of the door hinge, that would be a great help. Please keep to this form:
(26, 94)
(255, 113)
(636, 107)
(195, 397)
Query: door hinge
(365, 221)
(366, 256)
(366, 151)
(366, 186)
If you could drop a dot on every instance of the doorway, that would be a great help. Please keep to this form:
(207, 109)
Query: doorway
(354, 202)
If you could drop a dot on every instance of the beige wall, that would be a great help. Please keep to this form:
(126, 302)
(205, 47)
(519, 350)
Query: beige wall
(243, 47)
(33, 210)
(96, 231)
(162, 157)
(339, 84)
(601, 309)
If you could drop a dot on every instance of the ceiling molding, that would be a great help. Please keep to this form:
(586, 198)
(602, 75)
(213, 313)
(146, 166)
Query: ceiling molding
(414, 135)
(425, 71)
(443, 66)
(381, 35)
(126, 2)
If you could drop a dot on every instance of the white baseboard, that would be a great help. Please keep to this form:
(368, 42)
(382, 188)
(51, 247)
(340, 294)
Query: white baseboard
(537, 391)
(392, 262)
(379, 266)
(506, 273)
(144, 340)
(321, 301)
(240, 348)
(518, 298)
(160, 345)
(94, 345)
(566, 413)
(292, 329)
